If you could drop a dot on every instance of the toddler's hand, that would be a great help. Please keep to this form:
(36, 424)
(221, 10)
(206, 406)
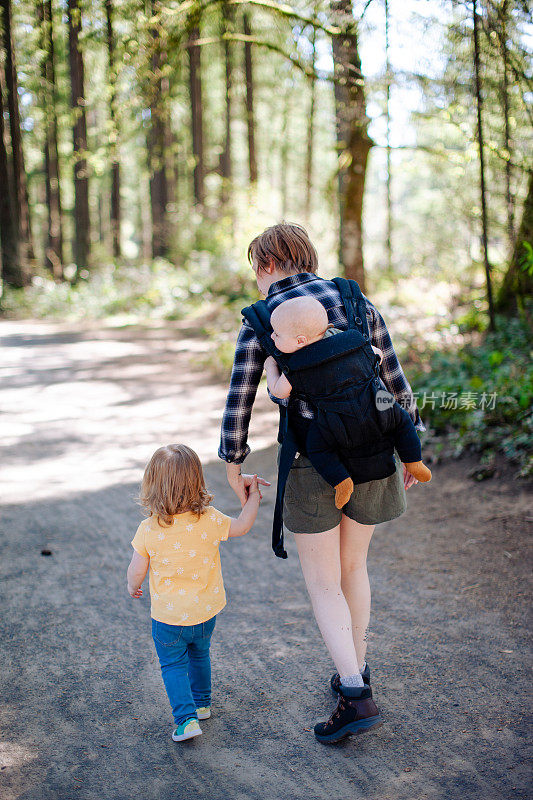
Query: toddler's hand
(135, 593)
(253, 488)
(270, 361)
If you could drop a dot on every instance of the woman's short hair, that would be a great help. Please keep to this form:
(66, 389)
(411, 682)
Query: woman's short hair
(173, 482)
(287, 246)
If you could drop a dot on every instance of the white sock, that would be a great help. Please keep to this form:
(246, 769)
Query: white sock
(352, 681)
(363, 668)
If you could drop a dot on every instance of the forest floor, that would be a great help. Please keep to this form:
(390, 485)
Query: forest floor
(84, 712)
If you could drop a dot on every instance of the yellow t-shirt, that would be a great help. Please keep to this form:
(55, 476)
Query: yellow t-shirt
(186, 585)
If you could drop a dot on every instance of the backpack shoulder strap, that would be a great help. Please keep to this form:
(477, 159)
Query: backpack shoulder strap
(354, 304)
(258, 317)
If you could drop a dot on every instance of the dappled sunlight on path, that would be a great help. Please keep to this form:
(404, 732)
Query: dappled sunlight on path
(86, 409)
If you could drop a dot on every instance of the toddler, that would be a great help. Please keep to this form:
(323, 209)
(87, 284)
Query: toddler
(298, 323)
(179, 544)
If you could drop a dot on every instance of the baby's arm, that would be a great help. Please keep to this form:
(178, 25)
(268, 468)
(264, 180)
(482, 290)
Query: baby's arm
(278, 385)
(137, 573)
(246, 518)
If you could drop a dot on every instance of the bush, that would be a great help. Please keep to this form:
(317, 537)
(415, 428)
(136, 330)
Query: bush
(480, 397)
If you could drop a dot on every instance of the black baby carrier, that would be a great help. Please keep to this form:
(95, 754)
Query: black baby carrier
(339, 377)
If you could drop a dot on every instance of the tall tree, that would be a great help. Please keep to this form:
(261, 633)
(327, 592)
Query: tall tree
(310, 132)
(353, 141)
(250, 119)
(503, 18)
(481, 145)
(20, 185)
(54, 243)
(82, 225)
(195, 90)
(388, 123)
(114, 133)
(12, 271)
(226, 165)
(517, 285)
(158, 139)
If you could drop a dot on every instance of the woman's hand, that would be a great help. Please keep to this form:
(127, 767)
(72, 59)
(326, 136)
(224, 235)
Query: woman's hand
(241, 483)
(408, 479)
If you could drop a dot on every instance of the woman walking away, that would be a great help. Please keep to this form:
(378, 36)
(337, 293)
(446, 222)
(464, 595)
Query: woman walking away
(332, 543)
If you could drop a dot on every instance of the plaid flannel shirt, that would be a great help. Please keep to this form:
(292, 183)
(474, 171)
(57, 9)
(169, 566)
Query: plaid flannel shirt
(250, 358)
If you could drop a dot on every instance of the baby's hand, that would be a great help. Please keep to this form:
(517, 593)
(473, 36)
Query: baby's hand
(270, 361)
(135, 593)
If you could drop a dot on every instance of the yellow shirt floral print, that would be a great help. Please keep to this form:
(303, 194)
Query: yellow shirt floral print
(186, 585)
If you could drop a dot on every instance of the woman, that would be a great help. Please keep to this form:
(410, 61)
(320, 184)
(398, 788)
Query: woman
(332, 544)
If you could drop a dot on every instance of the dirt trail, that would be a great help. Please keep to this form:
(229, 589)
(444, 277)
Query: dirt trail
(84, 713)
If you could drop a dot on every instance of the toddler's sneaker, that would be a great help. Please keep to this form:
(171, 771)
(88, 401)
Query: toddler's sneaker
(204, 712)
(187, 730)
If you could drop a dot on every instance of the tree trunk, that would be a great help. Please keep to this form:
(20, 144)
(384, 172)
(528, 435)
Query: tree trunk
(20, 187)
(250, 121)
(517, 285)
(12, 272)
(195, 88)
(114, 135)
(284, 155)
(54, 242)
(353, 141)
(509, 199)
(484, 223)
(389, 168)
(225, 162)
(310, 136)
(81, 248)
(157, 140)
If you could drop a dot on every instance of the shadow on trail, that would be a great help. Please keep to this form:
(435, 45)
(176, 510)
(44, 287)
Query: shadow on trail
(86, 714)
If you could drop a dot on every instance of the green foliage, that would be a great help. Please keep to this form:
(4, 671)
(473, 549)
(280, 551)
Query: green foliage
(158, 290)
(493, 385)
(525, 259)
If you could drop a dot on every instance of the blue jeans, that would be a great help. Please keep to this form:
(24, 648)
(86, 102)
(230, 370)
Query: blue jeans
(183, 652)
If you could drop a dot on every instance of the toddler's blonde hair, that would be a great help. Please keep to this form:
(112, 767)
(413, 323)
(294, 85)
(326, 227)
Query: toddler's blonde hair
(173, 482)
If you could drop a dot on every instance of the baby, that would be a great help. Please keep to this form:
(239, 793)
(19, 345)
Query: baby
(298, 323)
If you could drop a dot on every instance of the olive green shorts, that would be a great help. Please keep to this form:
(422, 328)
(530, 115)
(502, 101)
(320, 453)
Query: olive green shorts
(309, 505)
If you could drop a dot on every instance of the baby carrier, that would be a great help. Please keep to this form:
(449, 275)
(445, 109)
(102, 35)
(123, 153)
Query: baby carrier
(339, 377)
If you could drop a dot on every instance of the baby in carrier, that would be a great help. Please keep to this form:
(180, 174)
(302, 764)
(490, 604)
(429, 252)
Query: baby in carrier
(299, 323)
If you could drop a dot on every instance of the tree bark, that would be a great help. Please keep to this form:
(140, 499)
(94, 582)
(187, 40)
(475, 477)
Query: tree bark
(509, 199)
(114, 135)
(20, 186)
(250, 119)
(353, 141)
(310, 135)
(517, 285)
(12, 272)
(388, 120)
(157, 141)
(225, 162)
(54, 243)
(484, 223)
(82, 227)
(195, 88)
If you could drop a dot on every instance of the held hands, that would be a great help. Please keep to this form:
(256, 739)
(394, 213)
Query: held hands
(242, 484)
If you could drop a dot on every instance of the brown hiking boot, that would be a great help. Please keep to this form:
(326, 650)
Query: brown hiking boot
(356, 713)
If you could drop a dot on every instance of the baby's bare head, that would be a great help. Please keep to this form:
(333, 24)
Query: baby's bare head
(297, 323)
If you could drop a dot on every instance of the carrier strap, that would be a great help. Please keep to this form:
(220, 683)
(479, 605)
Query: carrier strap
(258, 316)
(354, 305)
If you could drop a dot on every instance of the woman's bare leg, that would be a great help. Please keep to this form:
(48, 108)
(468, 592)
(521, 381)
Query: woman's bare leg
(320, 561)
(354, 541)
